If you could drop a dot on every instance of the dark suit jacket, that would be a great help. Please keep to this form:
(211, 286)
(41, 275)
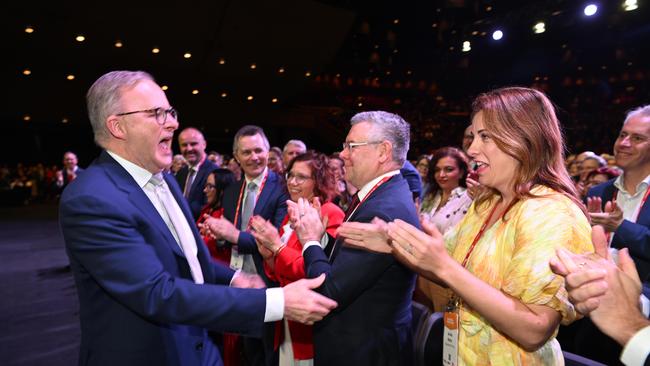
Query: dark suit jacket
(271, 205)
(196, 198)
(634, 236)
(413, 179)
(372, 323)
(138, 303)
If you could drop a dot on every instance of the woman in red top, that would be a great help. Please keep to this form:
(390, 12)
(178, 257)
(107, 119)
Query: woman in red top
(307, 177)
(215, 184)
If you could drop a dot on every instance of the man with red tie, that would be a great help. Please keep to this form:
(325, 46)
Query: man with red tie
(70, 170)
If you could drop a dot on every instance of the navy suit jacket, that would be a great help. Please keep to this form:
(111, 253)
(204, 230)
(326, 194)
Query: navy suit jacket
(196, 197)
(634, 236)
(138, 303)
(414, 180)
(372, 323)
(271, 205)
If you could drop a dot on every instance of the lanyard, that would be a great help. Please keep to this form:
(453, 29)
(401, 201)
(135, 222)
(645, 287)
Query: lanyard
(382, 181)
(483, 227)
(241, 194)
(638, 209)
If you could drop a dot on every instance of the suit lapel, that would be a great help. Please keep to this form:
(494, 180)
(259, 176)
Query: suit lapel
(265, 195)
(125, 182)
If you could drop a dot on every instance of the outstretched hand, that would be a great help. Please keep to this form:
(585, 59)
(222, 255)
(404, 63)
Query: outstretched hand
(371, 236)
(303, 305)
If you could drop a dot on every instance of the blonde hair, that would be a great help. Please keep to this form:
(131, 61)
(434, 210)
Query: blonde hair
(523, 124)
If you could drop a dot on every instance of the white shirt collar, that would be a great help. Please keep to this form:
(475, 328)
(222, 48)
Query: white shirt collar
(140, 174)
(619, 184)
(365, 190)
(258, 179)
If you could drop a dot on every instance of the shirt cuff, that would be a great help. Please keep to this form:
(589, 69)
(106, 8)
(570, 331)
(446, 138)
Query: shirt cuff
(637, 349)
(645, 306)
(309, 244)
(234, 276)
(274, 304)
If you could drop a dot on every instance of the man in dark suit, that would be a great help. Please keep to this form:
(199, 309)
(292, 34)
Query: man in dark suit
(621, 205)
(262, 192)
(147, 288)
(372, 325)
(191, 178)
(69, 172)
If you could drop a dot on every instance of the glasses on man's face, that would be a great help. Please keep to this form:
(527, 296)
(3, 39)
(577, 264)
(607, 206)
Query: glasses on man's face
(351, 145)
(298, 178)
(159, 114)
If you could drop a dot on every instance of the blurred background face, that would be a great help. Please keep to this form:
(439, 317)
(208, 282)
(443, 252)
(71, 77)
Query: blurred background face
(291, 152)
(69, 160)
(300, 183)
(337, 169)
(423, 168)
(177, 163)
(275, 162)
(209, 190)
(595, 180)
(588, 166)
(447, 173)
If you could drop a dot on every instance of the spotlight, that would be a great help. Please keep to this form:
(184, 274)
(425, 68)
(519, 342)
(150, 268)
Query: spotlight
(591, 9)
(629, 5)
(467, 46)
(497, 35)
(540, 27)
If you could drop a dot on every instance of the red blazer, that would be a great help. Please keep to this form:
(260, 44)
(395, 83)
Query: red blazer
(218, 253)
(289, 267)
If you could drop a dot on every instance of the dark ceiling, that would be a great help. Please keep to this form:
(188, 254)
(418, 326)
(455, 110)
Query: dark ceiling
(392, 41)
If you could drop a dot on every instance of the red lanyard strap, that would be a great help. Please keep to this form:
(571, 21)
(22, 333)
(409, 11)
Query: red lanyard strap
(484, 227)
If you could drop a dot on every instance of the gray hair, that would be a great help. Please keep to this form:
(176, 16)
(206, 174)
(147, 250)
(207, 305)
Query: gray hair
(389, 127)
(103, 98)
(249, 130)
(643, 111)
(298, 143)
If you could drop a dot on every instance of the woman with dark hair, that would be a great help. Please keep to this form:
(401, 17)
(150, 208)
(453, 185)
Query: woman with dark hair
(308, 177)
(344, 191)
(215, 184)
(598, 176)
(422, 165)
(447, 200)
(505, 300)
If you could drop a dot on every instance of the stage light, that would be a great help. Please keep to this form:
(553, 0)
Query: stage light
(308, 74)
(497, 35)
(629, 5)
(27, 72)
(591, 9)
(224, 94)
(281, 70)
(27, 118)
(118, 44)
(274, 100)
(466, 46)
(253, 66)
(187, 55)
(164, 87)
(195, 91)
(29, 29)
(70, 77)
(155, 50)
(222, 61)
(249, 98)
(80, 38)
(540, 27)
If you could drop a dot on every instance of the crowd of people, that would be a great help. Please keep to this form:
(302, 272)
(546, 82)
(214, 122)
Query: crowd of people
(331, 250)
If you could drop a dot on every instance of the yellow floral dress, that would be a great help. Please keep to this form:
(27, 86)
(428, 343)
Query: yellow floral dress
(513, 256)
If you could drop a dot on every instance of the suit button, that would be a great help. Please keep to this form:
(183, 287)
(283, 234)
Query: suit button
(199, 346)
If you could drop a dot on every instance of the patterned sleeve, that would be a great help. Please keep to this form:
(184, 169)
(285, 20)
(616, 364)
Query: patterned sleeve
(544, 224)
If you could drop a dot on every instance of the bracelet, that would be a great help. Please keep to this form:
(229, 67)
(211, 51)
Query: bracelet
(277, 251)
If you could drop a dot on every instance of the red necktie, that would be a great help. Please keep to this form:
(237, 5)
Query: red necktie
(353, 204)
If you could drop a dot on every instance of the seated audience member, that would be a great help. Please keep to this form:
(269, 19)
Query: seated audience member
(275, 160)
(608, 292)
(508, 303)
(308, 177)
(599, 176)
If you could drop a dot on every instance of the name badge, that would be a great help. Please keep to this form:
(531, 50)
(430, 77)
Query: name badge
(450, 339)
(236, 259)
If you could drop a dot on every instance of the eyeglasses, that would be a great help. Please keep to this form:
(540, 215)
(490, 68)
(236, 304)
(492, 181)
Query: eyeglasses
(210, 186)
(159, 113)
(300, 179)
(351, 145)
